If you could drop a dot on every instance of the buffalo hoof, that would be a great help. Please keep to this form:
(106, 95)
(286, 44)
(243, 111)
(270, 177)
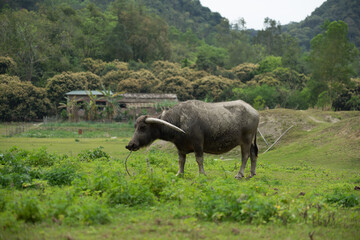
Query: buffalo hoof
(239, 176)
(180, 174)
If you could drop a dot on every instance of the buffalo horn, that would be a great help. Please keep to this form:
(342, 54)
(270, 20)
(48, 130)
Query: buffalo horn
(156, 120)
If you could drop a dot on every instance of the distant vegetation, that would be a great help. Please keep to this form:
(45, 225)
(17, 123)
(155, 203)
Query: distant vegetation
(50, 47)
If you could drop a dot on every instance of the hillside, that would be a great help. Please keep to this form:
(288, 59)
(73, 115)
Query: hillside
(345, 10)
(318, 138)
(187, 14)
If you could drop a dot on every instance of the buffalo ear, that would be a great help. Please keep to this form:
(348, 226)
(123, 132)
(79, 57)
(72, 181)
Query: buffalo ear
(165, 123)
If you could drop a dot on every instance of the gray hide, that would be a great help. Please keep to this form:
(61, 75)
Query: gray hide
(209, 127)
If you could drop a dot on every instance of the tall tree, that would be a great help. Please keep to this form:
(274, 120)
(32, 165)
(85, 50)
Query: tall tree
(271, 37)
(24, 37)
(331, 56)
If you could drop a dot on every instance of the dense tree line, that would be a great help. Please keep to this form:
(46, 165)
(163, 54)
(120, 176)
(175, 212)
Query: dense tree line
(332, 10)
(52, 47)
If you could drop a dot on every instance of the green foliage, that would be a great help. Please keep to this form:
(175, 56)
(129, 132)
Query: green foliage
(6, 64)
(290, 78)
(87, 212)
(60, 84)
(269, 94)
(21, 101)
(330, 58)
(349, 99)
(60, 175)
(141, 81)
(28, 208)
(178, 85)
(16, 172)
(210, 57)
(269, 64)
(101, 68)
(8, 222)
(324, 100)
(259, 103)
(343, 199)
(91, 155)
(271, 37)
(245, 72)
(131, 194)
(247, 206)
(307, 29)
(212, 88)
(41, 158)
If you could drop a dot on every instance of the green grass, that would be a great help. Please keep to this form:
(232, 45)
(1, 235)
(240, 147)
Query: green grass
(70, 146)
(304, 185)
(71, 130)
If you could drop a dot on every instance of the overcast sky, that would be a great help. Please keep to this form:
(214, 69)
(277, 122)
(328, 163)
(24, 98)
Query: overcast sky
(255, 11)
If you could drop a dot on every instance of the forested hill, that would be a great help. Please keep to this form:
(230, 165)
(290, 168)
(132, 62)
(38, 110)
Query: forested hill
(332, 10)
(187, 14)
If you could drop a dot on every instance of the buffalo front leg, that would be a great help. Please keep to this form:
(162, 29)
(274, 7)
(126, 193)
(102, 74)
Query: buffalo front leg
(182, 159)
(245, 152)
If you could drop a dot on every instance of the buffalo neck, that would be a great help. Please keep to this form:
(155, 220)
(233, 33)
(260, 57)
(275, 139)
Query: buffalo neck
(167, 133)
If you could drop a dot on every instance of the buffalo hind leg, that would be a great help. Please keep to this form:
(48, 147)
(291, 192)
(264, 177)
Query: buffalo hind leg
(253, 157)
(200, 162)
(182, 159)
(245, 152)
(199, 155)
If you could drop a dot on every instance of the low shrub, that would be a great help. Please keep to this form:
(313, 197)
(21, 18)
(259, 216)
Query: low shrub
(2, 202)
(249, 208)
(131, 194)
(8, 221)
(59, 203)
(15, 172)
(61, 175)
(28, 208)
(90, 155)
(343, 199)
(41, 158)
(12, 154)
(87, 212)
(102, 179)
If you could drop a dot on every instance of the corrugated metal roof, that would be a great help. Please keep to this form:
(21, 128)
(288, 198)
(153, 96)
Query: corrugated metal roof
(85, 93)
(149, 96)
(127, 95)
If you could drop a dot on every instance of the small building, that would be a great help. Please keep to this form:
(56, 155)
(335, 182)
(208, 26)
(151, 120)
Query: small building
(84, 96)
(130, 105)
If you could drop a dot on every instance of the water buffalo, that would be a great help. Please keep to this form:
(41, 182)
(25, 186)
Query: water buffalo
(196, 126)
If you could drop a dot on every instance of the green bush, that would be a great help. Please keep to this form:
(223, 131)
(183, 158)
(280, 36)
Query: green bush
(250, 208)
(90, 155)
(131, 194)
(87, 212)
(12, 154)
(15, 172)
(61, 175)
(2, 202)
(101, 180)
(41, 158)
(269, 64)
(8, 221)
(28, 208)
(343, 199)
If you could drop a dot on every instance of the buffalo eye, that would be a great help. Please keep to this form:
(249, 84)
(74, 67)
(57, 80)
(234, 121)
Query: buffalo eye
(142, 128)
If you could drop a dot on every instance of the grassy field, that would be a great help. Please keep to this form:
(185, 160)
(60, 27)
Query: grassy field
(63, 186)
